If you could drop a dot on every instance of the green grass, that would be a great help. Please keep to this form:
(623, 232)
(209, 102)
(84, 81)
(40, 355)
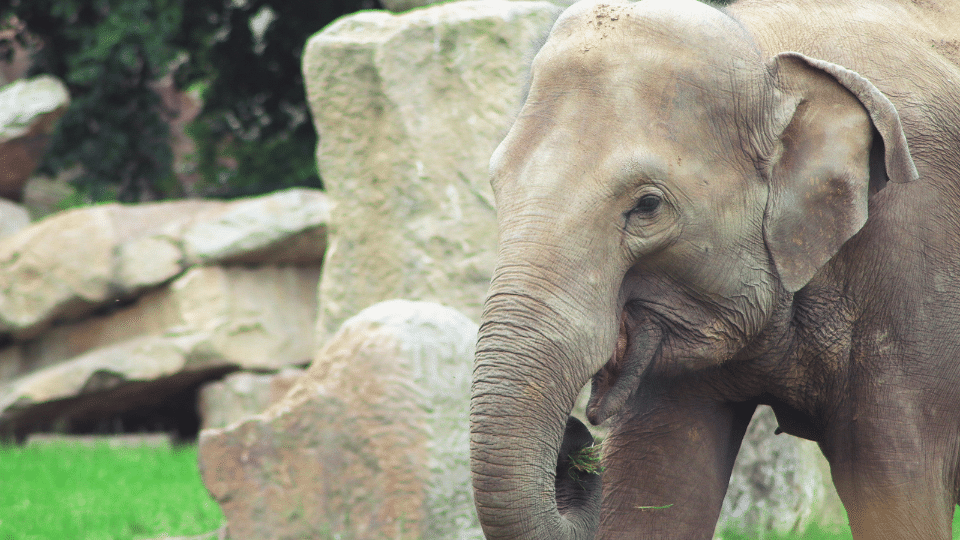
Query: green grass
(587, 460)
(816, 534)
(68, 492)
(811, 534)
(100, 493)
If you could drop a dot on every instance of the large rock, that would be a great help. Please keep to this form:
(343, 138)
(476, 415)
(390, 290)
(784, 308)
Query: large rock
(63, 266)
(106, 382)
(13, 218)
(240, 395)
(286, 227)
(372, 443)
(409, 109)
(208, 322)
(29, 110)
(780, 486)
(406, 5)
(82, 260)
(398, 6)
(254, 318)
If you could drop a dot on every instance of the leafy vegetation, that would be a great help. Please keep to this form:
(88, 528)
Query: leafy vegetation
(240, 57)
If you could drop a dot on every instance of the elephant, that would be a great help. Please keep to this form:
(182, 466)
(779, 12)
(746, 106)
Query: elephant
(704, 209)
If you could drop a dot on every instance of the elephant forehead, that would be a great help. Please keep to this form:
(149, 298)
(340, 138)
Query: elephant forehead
(619, 134)
(603, 30)
(580, 147)
(628, 93)
(678, 58)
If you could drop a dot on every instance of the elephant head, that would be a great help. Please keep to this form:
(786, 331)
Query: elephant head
(664, 190)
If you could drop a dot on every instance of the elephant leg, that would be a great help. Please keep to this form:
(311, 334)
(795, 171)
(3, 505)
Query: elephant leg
(891, 482)
(667, 465)
(879, 509)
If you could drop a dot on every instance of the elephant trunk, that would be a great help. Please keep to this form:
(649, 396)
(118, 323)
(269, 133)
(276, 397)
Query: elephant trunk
(534, 354)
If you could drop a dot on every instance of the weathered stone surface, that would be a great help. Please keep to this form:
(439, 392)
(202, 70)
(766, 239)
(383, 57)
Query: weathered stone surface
(29, 110)
(63, 266)
(409, 109)
(398, 6)
(43, 195)
(13, 217)
(255, 318)
(11, 363)
(286, 227)
(243, 394)
(780, 486)
(22, 101)
(147, 261)
(144, 359)
(151, 440)
(81, 260)
(371, 443)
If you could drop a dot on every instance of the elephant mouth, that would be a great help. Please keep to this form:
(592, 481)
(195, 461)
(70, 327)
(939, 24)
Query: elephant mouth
(578, 471)
(639, 343)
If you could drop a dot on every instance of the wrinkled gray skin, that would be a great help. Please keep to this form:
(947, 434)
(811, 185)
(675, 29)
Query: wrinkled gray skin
(702, 221)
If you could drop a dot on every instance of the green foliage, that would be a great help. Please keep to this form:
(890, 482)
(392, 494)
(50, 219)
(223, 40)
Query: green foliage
(108, 53)
(587, 460)
(74, 492)
(253, 134)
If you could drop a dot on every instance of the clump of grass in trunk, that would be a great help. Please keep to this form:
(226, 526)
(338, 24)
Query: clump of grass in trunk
(587, 459)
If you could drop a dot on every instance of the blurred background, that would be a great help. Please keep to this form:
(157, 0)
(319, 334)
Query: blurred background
(170, 98)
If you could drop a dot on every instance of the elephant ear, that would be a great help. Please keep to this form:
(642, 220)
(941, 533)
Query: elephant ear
(840, 140)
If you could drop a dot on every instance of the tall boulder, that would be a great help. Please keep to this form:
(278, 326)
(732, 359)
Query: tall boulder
(409, 109)
(243, 394)
(371, 443)
(29, 110)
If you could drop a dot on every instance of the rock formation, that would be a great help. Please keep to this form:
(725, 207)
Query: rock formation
(29, 109)
(409, 109)
(243, 394)
(114, 308)
(371, 443)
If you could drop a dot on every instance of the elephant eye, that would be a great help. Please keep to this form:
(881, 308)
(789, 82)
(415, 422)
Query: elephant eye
(647, 204)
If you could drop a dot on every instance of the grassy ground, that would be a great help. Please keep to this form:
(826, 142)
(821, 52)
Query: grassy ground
(64, 492)
(68, 492)
(814, 534)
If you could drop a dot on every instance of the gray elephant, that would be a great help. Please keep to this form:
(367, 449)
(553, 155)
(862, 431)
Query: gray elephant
(708, 209)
